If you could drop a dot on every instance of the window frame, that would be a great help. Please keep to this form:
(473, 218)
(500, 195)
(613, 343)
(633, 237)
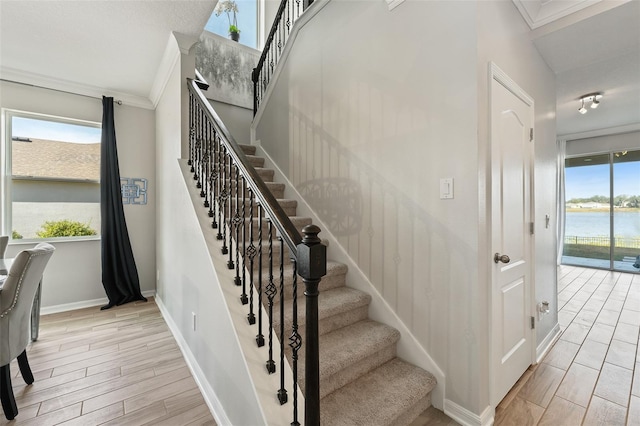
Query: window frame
(6, 174)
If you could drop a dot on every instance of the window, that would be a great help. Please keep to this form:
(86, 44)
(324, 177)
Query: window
(51, 176)
(602, 219)
(247, 22)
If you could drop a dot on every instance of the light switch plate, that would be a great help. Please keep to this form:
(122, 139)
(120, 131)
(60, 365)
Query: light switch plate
(446, 188)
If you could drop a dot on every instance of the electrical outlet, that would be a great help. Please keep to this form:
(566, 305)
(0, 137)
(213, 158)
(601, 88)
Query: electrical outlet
(193, 315)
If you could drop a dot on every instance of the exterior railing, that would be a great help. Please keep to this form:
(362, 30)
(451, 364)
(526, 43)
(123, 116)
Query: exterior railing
(603, 241)
(288, 12)
(255, 232)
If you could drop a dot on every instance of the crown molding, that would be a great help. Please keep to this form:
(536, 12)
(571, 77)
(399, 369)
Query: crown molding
(538, 13)
(185, 42)
(165, 68)
(178, 44)
(39, 80)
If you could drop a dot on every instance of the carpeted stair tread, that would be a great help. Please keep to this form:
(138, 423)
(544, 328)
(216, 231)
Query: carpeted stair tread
(336, 273)
(248, 149)
(299, 222)
(361, 338)
(276, 188)
(289, 206)
(335, 303)
(352, 351)
(265, 174)
(255, 161)
(380, 397)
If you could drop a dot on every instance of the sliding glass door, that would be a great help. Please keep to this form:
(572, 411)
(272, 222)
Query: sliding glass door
(602, 219)
(626, 210)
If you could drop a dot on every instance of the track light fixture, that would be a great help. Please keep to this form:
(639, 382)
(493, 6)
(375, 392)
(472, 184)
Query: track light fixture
(582, 109)
(594, 98)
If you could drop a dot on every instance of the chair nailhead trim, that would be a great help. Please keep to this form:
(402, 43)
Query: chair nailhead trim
(15, 299)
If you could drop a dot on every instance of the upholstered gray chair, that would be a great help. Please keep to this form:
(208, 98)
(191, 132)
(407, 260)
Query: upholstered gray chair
(4, 240)
(16, 298)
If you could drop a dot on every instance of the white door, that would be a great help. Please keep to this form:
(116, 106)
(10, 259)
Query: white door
(511, 257)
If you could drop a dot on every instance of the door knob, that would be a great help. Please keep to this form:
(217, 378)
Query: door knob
(501, 258)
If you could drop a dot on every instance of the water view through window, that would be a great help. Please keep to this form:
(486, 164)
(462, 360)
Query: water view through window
(602, 222)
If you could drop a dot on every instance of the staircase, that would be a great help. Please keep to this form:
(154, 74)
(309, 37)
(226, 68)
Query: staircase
(362, 381)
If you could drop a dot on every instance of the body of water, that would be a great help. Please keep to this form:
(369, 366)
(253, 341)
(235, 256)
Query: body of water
(594, 224)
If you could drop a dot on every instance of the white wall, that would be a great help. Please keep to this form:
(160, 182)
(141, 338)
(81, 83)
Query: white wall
(135, 134)
(187, 280)
(236, 119)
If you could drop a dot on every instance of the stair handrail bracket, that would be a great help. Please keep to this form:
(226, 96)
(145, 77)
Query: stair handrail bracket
(239, 202)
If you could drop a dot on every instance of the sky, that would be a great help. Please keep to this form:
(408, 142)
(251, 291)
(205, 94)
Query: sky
(583, 182)
(50, 130)
(247, 23)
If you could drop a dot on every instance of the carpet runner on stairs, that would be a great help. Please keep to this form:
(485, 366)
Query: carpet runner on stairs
(362, 381)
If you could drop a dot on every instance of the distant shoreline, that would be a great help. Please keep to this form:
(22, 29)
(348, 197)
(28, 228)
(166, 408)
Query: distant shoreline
(603, 209)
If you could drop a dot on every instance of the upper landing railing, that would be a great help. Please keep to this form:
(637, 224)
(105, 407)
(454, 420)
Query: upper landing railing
(288, 12)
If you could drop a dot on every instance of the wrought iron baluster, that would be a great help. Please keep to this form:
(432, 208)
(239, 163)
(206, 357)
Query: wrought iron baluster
(295, 341)
(289, 18)
(230, 263)
(236, 221)
(208, 177)
(271, 292)
(251, 252)
(282, 393)
(196, 148)
(243, 296)
(192, 104)
(260, 336)
(224, 195)
(213, 185)
(220, 187)
(205, 162)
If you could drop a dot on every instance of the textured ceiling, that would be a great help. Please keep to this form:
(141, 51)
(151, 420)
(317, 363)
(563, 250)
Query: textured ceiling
(109, 45)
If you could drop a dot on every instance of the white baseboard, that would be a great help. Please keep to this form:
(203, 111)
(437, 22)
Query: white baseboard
(46, 310)
(548, 342)
(466, 417)
(208, 394)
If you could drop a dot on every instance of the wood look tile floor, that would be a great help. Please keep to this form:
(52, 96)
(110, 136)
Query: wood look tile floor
(116, 367)
(123, 366)
(591, 376)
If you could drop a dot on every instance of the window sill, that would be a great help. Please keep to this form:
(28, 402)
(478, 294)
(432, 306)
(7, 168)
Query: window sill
(31, 241)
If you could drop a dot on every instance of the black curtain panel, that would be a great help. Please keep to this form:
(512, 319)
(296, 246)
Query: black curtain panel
(119, 272)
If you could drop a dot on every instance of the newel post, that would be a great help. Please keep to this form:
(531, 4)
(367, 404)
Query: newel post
(312, 266)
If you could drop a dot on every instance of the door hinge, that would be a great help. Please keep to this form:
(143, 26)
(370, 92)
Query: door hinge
(531, 134)
(531, 227)
(533, 323)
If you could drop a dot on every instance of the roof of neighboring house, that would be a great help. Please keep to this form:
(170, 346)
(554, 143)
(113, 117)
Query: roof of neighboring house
(52, 159)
